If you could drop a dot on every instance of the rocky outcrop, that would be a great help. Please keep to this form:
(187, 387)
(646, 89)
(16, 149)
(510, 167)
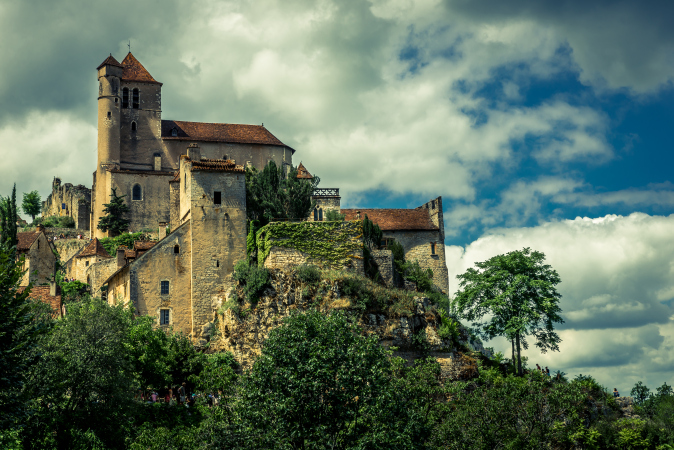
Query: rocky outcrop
(627, 406)
(407, 324)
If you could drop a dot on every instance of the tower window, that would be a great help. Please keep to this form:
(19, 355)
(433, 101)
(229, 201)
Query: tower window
(164, 315)
(137, 193)
(176, 249)
(86, 264)
(125, 98)
(109, 115)
(432, 248)
(136, 98)
(134, 127)
(174, 132)
(164, 288)
(217, 198)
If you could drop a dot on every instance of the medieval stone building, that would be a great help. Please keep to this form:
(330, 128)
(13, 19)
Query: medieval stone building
(71, 201)
(138, 152)
(38, 256)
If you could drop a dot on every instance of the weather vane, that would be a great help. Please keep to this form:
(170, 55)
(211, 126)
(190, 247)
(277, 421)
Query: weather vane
(129, 45)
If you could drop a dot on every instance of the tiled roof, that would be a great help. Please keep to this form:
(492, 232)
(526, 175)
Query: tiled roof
(218, 132)
(141, 172)
(94, 248)
(394, 219)
(143, 245)
(110, 61)
(217, 165)
(302, 172)
(41, 293)
(134, 70)
(26, 239)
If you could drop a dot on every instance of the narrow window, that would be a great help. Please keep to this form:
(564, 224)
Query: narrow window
(432, 248)
(137, 192)
(116, 100)
(136, 99)
(164, 288)
(217, 263)
(164, 316)
(174, 132)
(86, 264)
(125, 98)
(433, 204)
(185, 183)
(109, 115)
(176, 249)
(88, 279)
(315, 215)
(320, 214)
(133, 126)
(217, 198)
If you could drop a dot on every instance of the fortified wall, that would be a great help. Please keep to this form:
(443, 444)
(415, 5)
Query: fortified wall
(69, 200)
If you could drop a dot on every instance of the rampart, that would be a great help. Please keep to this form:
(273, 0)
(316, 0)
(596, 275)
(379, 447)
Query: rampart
(69, 200)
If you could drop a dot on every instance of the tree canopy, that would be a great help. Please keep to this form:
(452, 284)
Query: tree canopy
(8, 217)
(115, 219)
(32, 203)
(517, 293)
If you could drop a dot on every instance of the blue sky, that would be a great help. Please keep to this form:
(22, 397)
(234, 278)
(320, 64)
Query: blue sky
(540, 123)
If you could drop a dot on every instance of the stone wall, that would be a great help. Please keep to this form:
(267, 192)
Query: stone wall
(99, 272)
(153, 206)
(68, 233)
(67, 248)
(39, 262)
(384, 260)
(69, 200)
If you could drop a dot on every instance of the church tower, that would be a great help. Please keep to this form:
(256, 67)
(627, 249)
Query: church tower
(109, 82)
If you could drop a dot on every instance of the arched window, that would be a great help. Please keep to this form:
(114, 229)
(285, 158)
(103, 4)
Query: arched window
(136, 98)
(224, 157)
(315, 215)
(137, 193)
(320, 214)
(432, 248)
(125, 98)
(174, 132)
(176, 249)
(134, 127)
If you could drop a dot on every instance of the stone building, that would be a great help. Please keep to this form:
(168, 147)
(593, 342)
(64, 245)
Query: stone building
(138, 152)
(69, 200)
(91, 254)
(39, 259)
(178, 279)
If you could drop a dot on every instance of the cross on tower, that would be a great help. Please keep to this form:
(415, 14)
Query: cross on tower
(129, 45)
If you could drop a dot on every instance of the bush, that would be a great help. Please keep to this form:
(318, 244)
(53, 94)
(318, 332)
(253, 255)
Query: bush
(413, 272)
(253, 278)
(358, 292)
(334, 215)
(58, 222)
(110, 244)
(449, 328)
(308, 274)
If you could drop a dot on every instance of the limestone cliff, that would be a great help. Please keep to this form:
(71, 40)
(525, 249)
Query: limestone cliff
(404, 321)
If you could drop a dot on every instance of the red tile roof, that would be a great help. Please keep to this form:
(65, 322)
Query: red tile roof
(219, 132)
(26, 239)
(141, 172)
(134, 71)
(41, 293)
(302, 172)
(109, 61)
(217, 165)
(94, 248)
(394, 219)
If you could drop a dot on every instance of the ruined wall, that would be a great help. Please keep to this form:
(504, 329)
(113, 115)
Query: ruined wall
(384, 260)
(69, 200)
(417, 246)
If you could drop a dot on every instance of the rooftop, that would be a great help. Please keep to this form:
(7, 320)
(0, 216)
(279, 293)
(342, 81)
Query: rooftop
(26, 239)
(218, 132)
(216, 165)
(394, 219)
(302, 172)
(94, 248)
(41, 293)
(134, 70)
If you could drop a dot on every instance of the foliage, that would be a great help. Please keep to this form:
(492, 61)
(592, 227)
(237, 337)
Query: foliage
(449, 328)
(8, 218)
(58, 222)
(517, 292)
(32, 203)
(73, 290)
(372, 234)
(308, 273)
(251, 242)
(398, 253)
(115, 212)
(333, 215)
(218, 374)
(253, 278)
(335, 243)
(110, 244)
(423, 278)
(272, 195)
(20, 326)
(640, 393)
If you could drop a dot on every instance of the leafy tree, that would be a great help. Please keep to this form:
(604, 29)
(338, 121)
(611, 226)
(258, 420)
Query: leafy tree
(298, 203)
(640, 392)
(423, 278)
(334, 215)
(115, 215)
(32, 204)
(8, 216)
(372, 234)
(517, 291)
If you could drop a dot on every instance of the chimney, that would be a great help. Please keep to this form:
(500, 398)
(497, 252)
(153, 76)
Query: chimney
(121, 260)
(194, 152)
(52, 288)
(40, 227)
(162, 230)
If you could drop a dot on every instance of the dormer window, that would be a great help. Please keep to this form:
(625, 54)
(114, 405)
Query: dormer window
(125, 98)
(136, 98)
(174, 132)
(134, 127)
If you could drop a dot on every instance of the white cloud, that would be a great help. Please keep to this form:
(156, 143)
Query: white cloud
(617, 286)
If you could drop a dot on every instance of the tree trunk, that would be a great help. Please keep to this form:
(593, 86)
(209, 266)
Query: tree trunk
(519, 355)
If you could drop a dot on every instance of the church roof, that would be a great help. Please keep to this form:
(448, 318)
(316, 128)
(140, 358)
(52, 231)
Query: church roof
(218, 132)
(302, 172)
(134, 70)
(109, 61)
(394, 219)
(94, 248)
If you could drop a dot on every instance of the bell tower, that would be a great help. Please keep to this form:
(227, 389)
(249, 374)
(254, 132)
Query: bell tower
(109, 105)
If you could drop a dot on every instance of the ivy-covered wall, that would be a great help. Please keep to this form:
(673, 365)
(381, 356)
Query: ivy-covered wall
(334, 245)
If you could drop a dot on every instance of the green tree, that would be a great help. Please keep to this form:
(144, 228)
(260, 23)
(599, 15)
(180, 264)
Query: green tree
(32, 204)
(8, 216)
(640, 392)
(372, 234)
(517, 291)
(115, 215)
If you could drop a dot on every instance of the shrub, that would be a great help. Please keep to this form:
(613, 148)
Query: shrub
(58, 222)
(413, 272)
(449, 328)
(308, 273)
(356, 290)
(110, 244)
(334, 215)
(253, 278)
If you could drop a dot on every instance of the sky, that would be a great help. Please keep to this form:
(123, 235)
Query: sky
(541, 124)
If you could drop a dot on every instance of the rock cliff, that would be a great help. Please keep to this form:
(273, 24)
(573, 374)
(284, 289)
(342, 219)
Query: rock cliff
(406, 322)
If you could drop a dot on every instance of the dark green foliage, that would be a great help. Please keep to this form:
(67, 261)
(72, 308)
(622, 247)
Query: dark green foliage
(251, 240)
(110, 244)
(115, 212)
(423, 278)
(8, 218)
(357, 291)
(372, 234)
(73, 290)
(449, 327)
(370, 266)
(21, 324)
(58, 222)
(308, 273)
(398, 253)
(332, 215)
(32, 204)
(253, 278)
(640, 393)
(517, 292)
(270, 194)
